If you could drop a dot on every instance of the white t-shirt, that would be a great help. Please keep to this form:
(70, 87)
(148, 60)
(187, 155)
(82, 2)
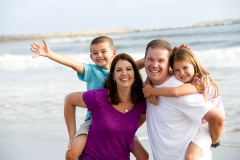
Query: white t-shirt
(174, 122)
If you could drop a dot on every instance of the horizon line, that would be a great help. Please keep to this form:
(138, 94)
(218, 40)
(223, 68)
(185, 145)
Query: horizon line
(72, 34)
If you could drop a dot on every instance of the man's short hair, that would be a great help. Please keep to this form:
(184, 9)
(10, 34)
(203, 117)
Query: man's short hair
(159, 43)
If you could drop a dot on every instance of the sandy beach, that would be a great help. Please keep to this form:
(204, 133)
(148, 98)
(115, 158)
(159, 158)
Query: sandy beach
(37, 149)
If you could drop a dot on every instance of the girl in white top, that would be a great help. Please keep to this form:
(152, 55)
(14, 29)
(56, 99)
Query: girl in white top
(187, 69)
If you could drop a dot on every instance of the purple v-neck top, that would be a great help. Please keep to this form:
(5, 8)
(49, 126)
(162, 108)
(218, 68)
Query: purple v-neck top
(111, 132)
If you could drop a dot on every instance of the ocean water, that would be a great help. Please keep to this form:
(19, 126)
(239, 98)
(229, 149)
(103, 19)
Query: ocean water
(33, 89)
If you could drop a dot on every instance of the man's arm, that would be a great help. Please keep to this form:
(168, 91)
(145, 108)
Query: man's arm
(196, 108)
(45, 51)
(215, 121)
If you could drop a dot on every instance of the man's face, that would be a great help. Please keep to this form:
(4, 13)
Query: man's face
(156, 65)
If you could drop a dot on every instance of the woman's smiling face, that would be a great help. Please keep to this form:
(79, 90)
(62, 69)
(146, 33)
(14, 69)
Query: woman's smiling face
(124, 74)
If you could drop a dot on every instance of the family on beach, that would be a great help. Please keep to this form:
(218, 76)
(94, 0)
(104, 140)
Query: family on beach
(179, 101)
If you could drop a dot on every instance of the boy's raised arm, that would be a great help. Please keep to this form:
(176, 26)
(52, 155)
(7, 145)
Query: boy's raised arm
(62, 59)
(140, 63)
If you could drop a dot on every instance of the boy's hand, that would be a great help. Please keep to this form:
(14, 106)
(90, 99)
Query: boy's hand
(70, 144)
(40, 50)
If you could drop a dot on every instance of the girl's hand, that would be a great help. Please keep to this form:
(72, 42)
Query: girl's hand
(146, 90)
(182, 46)
(152, 99)
(40, 50)
(147, 87)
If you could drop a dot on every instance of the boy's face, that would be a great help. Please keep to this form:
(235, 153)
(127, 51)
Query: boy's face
(102, 54)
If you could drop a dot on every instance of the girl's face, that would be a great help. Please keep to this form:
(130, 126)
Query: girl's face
(183, 71)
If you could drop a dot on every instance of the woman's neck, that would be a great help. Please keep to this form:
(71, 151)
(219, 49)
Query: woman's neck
(124, 95)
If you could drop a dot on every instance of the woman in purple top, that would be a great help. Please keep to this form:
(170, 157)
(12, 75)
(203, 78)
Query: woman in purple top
(116, 112)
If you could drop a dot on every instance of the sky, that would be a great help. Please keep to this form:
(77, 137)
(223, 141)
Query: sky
(46, 16)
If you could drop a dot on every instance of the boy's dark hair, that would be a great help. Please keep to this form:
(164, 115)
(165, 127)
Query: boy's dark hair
(102, 39)
(136, 90)
(159, 43)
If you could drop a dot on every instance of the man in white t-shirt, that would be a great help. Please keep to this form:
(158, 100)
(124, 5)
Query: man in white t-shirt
(173, 124)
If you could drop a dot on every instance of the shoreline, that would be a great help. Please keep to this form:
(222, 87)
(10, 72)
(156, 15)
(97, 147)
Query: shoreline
(39, 149)
(84, 33)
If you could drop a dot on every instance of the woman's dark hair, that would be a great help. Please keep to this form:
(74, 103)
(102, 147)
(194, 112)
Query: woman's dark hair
(136, 89)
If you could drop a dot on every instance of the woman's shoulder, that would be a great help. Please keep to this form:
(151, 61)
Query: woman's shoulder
(96, 95)
(98, 91)
(141, 106)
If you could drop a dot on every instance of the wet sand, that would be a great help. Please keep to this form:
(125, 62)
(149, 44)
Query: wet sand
(37, 149)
